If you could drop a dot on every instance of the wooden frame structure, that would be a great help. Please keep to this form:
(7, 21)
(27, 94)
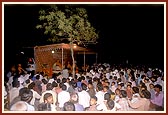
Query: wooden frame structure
(47, 55)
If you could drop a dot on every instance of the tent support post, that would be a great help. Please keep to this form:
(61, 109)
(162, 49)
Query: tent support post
(96, 58)
(84, 61)
(62, 58)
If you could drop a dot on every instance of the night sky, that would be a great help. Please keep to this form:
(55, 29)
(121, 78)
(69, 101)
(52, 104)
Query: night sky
(133, 32)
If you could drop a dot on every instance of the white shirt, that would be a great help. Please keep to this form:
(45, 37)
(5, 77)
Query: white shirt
(101, 107)
(63, 97)
(133, 84)
(35, 96)
(107, 75)
(147, 85)
(78, 75)
(30, 107)
(118, 75)
(116, 107)
(67, 84)
(41, 77)
(53, 107)
(10, 82)
(5, 93)
(113, 88)
(21, 79)
(13, 93)
(26, 77)
(51, 80)
(162, 84)
(88, 74)
(117, 98)
(97, 75)
(100, 97)
(84, 98)
(135, 98)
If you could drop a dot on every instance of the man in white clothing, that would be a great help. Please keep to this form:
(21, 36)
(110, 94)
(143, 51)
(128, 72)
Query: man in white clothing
(84, 97)
(100, 94)
(35, 94)
(63, 96)
(14, 92)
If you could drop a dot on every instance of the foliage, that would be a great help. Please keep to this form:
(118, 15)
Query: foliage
(67, 22)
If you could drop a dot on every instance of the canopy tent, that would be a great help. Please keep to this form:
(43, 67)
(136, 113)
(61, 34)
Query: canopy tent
(47, 55)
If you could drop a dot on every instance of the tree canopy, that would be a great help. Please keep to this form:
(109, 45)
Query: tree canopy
(67, 22)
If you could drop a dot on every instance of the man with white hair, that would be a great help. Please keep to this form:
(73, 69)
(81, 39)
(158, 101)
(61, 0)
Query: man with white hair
(19, 106)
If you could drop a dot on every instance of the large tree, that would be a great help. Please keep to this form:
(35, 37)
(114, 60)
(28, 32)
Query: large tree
(67, 22)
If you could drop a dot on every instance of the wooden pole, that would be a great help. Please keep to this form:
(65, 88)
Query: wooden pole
(84, 61)
(96, 58)
(62, 58)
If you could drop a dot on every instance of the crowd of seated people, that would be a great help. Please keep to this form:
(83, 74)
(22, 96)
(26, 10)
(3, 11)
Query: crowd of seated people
(103, 87)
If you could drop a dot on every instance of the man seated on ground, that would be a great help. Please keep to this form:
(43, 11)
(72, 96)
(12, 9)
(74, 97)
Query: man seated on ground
(68, 106)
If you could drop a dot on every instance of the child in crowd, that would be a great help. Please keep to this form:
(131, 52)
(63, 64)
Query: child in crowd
(93, 104)
(152, 91)
(117, 95)
(129, 91)
(113, 87)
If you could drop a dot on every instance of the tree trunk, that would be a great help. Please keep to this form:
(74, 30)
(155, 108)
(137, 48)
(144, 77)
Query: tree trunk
(73, 61)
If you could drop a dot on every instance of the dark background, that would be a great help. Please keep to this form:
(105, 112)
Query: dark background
(133, 32)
